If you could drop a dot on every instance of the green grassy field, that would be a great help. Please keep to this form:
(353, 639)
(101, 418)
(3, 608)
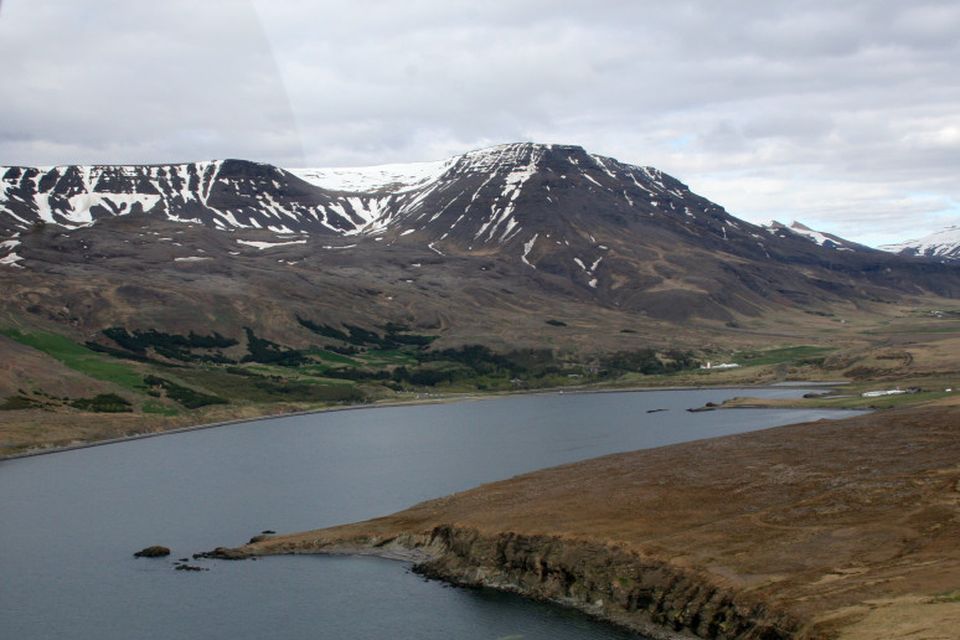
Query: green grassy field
(79, 358)
(269, 384)
(785, 355)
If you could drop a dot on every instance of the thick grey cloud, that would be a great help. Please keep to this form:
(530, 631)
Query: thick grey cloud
(843, 115)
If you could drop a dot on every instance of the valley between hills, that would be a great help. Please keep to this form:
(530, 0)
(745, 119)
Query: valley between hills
(136, 300)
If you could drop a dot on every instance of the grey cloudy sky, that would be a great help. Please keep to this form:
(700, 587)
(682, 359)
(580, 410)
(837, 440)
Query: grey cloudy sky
(844, 115)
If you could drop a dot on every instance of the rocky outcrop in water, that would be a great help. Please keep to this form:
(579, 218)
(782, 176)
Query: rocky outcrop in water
(155, 551)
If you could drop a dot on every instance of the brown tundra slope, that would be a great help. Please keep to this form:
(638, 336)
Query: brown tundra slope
(833, 529)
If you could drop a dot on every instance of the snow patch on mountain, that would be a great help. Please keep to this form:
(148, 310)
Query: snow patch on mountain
(115, 203)
(512, 185)
(490, 159)
(261, 245)
(394, 178)
(527, 248)
(8, 255)
(74, 196)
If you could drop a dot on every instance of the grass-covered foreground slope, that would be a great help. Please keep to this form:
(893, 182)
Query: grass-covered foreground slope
(833, 529)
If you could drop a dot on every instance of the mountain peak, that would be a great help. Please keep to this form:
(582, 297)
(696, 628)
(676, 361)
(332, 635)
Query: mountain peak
(515, 154)
(518, 149)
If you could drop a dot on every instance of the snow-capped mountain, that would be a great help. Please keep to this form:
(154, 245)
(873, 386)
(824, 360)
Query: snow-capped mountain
(942, 245)
(529, 197)
(481, 197)
(542, 219)
(556, 208)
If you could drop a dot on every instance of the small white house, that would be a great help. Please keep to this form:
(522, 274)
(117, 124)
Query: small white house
(722, 365)
(885, 392)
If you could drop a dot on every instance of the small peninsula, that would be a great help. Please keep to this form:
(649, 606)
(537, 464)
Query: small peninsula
(831, 529)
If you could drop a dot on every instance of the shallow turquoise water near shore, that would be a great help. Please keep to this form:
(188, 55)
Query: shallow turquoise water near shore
(70, 521)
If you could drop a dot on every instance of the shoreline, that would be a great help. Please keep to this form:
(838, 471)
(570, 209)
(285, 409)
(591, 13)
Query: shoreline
(423, 556)
(42, 451)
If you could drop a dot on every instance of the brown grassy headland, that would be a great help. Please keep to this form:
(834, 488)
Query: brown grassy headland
(844, 529)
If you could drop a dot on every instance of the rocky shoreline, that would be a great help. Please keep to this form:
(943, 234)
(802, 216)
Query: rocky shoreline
(645, 595)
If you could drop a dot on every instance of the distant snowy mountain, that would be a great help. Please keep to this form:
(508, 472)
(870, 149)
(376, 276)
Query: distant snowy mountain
(826, 240)
(944, 245)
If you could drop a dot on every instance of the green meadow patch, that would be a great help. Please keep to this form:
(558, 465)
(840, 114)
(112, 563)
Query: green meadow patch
(332, 357)
(784, 355)
(78, 357)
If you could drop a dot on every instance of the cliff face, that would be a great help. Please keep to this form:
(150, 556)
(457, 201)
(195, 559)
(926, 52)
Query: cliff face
(644, 594)
(658, 599)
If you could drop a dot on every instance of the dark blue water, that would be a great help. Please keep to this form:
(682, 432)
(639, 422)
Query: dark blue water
(70, 521)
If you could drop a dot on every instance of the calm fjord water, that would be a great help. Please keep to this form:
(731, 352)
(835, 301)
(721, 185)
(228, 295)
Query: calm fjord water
(70, 521)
